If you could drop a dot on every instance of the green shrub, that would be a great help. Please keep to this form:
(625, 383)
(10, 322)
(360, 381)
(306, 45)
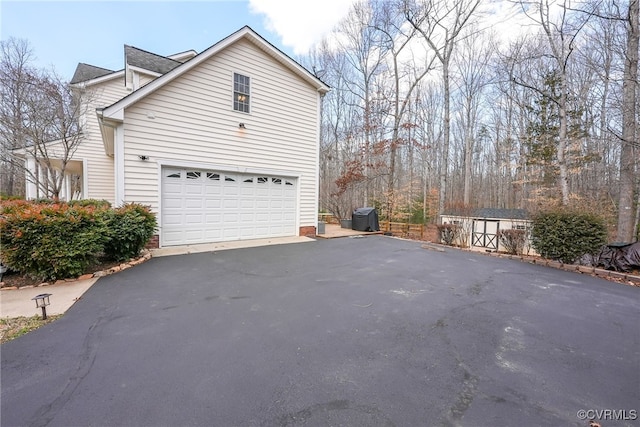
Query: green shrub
(91, 202)
(4, 196)
(566, 236)
(50, 241)
(513, 240)
(129, 229)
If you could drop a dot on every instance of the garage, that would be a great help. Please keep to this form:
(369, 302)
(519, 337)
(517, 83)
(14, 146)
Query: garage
(203, 206)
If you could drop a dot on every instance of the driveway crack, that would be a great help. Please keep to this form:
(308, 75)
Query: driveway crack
(46, 413)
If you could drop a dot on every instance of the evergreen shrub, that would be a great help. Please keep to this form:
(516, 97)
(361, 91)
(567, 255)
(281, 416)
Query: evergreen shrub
(50, 241)
(129, 229)
(566, 236)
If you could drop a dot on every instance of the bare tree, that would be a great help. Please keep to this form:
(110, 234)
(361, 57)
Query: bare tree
(365, 50)
(440, 22)
(41, 121)
(472, 61)
(16, 73)
(405, 75)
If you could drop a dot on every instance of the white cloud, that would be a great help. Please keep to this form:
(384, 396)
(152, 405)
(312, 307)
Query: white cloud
(300, 24)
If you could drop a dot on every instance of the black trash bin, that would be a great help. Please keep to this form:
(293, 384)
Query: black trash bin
(365, 219)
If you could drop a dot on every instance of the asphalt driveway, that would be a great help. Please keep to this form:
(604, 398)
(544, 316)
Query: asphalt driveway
(368, 331)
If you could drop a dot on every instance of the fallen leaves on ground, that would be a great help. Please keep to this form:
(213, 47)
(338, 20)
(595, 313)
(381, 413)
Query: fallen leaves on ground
(18, 326)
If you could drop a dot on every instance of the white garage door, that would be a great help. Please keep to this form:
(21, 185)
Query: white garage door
(201, 206)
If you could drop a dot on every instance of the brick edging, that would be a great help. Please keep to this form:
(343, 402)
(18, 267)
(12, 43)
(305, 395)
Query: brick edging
(583, 269)
(146, 255)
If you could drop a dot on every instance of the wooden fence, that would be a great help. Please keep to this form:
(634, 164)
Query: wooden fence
(328, 218)
(411, 231)
(401, 229)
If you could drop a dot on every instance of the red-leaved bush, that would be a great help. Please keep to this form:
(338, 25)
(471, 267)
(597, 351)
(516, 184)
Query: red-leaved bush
(52, 241)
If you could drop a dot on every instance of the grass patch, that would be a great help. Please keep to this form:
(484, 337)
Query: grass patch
(18, 326)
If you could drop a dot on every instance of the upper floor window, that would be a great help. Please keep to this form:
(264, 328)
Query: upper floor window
(240, 93)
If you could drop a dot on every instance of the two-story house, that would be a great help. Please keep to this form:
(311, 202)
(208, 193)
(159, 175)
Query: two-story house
(223, 145)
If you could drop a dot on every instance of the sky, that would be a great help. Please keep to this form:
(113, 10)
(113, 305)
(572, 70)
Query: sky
(64, 33)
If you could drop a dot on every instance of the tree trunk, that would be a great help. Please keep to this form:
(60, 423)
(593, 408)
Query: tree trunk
(468, 154)
(563, 176)
(628, 157)
(446, 130)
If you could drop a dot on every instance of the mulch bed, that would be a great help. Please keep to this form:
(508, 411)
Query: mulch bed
(14, 279)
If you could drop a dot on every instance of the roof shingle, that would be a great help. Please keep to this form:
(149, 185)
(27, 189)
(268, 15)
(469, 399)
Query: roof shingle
(86, 72)
(497, 213)
(149, 61)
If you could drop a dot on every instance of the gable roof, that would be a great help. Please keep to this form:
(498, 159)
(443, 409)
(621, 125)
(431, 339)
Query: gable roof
(148, 61)
(116, 110)
(86, 72)
(497, 213)
(502, 213)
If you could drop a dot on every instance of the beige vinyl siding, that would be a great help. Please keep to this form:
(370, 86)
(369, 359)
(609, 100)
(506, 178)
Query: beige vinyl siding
(100, 175)
(194, 121)
(144, 79)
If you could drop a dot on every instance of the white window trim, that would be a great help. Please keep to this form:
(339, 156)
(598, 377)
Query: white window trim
(233, 91)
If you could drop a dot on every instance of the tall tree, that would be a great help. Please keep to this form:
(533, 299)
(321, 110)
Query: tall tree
(40, 122)
(16, 74)
(472, 61)
(629, 153)
(405, 75)
(440, 22)
(365, 50)
(561, 29)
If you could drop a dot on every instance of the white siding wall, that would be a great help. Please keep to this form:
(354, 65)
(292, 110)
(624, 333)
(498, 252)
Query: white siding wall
(192, 119)
(100, 178)
(144, 79)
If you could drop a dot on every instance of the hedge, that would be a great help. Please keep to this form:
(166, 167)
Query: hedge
(567, 235)
(52, 241)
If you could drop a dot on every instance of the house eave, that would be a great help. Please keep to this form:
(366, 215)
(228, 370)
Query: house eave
(143, 71)
(98, 80)
(107, 126)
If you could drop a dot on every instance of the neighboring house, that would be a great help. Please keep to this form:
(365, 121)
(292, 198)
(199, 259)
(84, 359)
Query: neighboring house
(223, 145)
(479, 228)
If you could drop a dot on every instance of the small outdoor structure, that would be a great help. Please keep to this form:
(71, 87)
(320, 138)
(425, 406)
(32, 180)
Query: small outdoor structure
(365, 219)
(42, 301)
(479, 228)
